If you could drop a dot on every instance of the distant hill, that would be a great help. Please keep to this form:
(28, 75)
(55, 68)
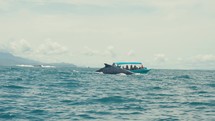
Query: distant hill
(7, 59)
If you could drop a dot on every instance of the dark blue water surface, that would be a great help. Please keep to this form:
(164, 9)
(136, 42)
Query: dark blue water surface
(81, 94)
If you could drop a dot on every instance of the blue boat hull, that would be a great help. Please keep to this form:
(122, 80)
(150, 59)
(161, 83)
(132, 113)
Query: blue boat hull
(142, 71)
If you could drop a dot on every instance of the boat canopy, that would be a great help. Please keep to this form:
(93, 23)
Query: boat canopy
(124, 63)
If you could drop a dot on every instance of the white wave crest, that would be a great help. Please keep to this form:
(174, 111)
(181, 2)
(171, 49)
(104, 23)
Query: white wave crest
(75, 71)
(122, 74)
(22, 65)
(99, 72)
(46, 66)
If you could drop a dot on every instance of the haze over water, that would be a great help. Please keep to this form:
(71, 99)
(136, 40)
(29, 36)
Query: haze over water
(82, 94)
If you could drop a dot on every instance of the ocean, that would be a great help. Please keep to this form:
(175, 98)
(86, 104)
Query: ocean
(81, 94)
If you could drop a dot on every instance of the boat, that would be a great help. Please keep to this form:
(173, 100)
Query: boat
(135, 67)
(124, 67)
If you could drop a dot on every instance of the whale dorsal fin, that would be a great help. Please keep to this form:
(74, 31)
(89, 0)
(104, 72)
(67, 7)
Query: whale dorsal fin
(107, 65)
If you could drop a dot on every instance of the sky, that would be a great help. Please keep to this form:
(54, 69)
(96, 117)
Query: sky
(165, 34)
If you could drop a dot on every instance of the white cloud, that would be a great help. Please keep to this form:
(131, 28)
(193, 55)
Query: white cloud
(17, 46)
(51, 48)
(131, 53)
(161, 58)
(110, 52)
(204, 58)
(49, 51)
(90, 52)
(204, 61)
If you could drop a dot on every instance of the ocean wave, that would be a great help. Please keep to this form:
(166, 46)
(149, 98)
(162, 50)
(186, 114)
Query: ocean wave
(138, 74)
(29, 66)
(182, 77)
(61, 94)
(7, 116)
(14, 87)
(115, 99)
(75, 71)
(122, 74)
(47, 66)
(99, 72)
(200, 103)
(99, 112)
(86, 116)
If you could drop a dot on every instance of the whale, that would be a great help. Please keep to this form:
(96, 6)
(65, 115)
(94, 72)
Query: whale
(110, 69)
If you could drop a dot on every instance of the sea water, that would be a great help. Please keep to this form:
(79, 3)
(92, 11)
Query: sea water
(81, 94)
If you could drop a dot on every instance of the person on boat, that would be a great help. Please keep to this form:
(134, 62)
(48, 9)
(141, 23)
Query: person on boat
(126, 67)
(131, 67)
(141, 66)
(135, 67)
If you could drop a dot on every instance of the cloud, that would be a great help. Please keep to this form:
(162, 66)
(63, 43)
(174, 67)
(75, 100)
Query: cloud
(131, 53)
(24, 46)
(49, 51)
(90, 52)
(204, 58)
(51, 48)
(204, 61)
(161, 58)
(17, 46)
(110, 52)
